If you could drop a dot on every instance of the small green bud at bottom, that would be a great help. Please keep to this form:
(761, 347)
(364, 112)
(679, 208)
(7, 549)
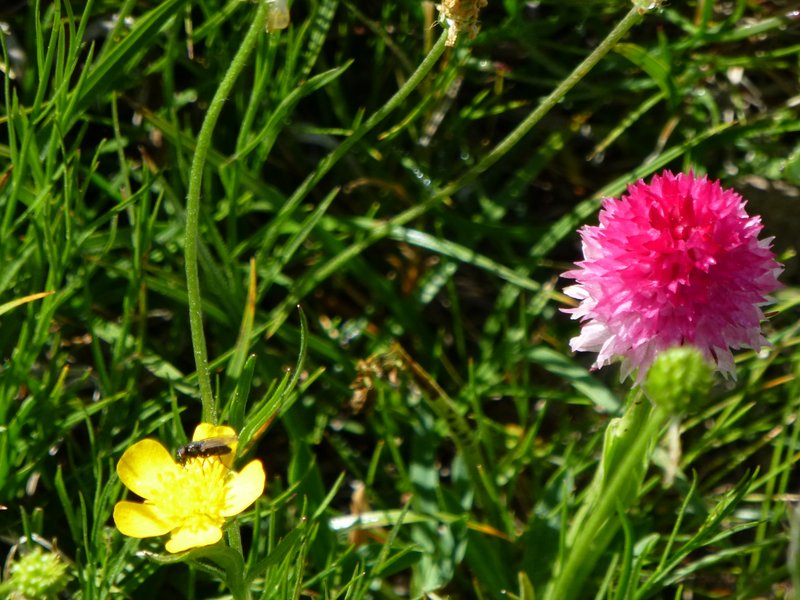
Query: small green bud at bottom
(38, 575)
(678, 379)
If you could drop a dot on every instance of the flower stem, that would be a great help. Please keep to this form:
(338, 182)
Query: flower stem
(193, 210)
(595, 526)
(235, 576)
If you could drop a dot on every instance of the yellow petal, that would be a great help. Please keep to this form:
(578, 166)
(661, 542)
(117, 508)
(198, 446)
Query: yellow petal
(138, 520)
(244, 488)
(142, 467)
(185, 538)
(205, 431)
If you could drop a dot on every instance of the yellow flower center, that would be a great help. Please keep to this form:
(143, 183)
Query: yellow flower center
(194, 494)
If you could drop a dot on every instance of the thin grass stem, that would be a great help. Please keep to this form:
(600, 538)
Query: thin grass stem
(513, 138)
(193, 210)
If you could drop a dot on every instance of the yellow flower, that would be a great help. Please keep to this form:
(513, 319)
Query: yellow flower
(190, 500)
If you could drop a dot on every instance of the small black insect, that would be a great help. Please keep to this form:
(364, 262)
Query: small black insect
(215, 446)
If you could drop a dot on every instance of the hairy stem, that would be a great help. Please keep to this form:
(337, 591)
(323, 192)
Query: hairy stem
(193, 210)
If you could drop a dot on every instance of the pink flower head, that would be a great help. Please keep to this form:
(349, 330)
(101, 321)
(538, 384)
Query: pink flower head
(673, 262)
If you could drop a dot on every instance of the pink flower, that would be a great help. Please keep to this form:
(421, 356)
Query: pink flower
(673, 262)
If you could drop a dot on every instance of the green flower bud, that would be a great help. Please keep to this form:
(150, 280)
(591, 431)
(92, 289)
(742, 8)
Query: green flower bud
(38, 575)
(679, 378)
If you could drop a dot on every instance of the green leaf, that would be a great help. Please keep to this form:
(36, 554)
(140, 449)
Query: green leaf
(577, 376)
(658, 71)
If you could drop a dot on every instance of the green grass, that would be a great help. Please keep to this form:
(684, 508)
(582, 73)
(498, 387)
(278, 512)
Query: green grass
(417, 203)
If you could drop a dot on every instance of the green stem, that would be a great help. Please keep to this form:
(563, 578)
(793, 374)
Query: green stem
(501, 149)
(193, 210)
(237, 587)
(591, 535)
(235, 576)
